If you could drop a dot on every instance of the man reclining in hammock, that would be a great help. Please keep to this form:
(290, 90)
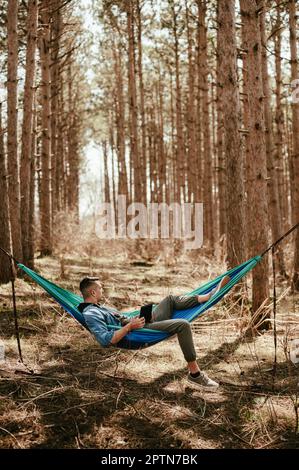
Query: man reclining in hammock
(98, 317)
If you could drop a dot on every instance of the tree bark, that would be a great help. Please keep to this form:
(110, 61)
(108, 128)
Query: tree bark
(199, 116)
(221, 163)
(45, 200)
(295, 128)
(235, 195)
(5, 241)
(191, 118)
(256, 166)
(26, 156)
(56, 31)
(273, 196)
(133, 109)
(72, 145)
(120, 122)
(143, 161)
(282, 175)
(209, 235)
(31, 233)
(12, 127)
(180, 160)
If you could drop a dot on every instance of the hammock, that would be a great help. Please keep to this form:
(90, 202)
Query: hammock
(144, 337)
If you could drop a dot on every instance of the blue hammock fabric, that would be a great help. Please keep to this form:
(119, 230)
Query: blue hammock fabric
(145, 337)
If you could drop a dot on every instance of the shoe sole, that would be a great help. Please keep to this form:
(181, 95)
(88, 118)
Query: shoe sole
(205, 388)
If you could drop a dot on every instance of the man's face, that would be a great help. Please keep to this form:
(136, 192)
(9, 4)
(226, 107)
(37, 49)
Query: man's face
(96, 291)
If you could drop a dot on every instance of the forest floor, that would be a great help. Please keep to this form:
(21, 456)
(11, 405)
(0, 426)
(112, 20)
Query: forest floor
(82, 396)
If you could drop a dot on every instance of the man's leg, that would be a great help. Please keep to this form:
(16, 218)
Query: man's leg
(164, 310)
(182, 328)
(162, 321)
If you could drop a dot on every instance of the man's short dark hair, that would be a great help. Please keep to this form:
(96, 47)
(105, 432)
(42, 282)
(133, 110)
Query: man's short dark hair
(86, 283)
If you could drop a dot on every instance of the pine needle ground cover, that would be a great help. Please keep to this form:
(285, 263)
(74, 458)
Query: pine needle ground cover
(82, 396)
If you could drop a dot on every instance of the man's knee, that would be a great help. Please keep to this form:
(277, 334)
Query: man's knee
(184, 324)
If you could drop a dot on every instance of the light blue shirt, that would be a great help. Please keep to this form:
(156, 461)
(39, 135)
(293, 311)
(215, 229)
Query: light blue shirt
(97, 320)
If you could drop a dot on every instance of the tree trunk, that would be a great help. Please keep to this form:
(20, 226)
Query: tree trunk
(107, 191)
(295, 128)
(142, 105)
(282, 175)
(180, 160)
(60, 149)
(45, 201)
(26, 155)
(12, 126)
(5, 272)
(56, 30)
(235, 203)
(72, 145)
(207, 154)
(191, 129)
(31, 237)
(199, 117)
(221, 169)
(120, 123)
(161, 149)
(273, 196)
(173, 177)
(256, 166)
(134, 144)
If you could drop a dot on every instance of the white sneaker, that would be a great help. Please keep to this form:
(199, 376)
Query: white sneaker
(203, 381)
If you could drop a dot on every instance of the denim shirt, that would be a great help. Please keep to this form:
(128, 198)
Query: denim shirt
(97, 319)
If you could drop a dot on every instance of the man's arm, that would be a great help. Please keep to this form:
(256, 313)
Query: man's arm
(99, 328)
(133, 325)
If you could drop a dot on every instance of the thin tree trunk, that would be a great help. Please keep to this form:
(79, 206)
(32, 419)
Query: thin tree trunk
(72, 154)
(113, 163)
(31, 237)
(174, 166)
(5, 272)
(207, 154)
(295, 128)
(120, 123)
(199, 118)
(56, 27)
(180, 161)
(107, 191)
(134, 143)
(221, 169)
(227, 50)
(12, 126)
(279, 121)
(257, 172)
(59, 173)
(142, 106)
(27, 133)
(273, 196)
(191, 144)
(161, 150)
(45, 201)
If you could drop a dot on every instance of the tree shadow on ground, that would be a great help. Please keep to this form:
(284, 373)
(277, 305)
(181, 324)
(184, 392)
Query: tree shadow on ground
(82, 404)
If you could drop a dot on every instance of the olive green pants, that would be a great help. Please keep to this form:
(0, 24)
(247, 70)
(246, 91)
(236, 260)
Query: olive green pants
(162, 320)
